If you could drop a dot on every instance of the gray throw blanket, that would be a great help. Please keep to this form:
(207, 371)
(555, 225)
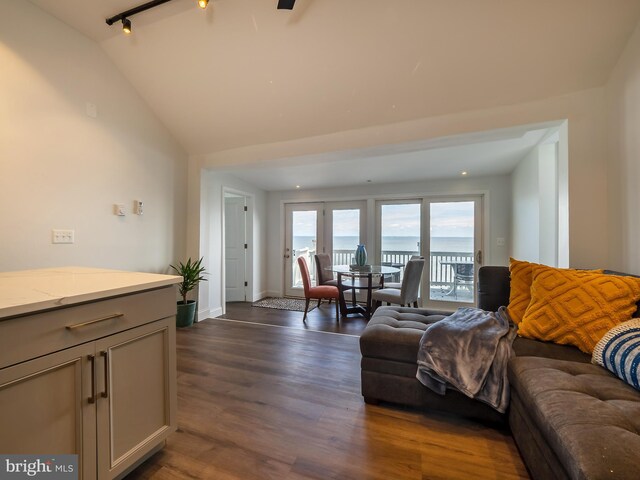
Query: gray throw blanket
(468, 351)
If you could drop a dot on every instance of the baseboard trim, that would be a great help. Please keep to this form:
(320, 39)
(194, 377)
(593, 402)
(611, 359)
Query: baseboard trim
(204, 314)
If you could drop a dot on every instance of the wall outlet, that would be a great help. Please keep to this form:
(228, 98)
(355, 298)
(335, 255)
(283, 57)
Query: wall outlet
(62, 236)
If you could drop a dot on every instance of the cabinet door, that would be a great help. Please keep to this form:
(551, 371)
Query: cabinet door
(46, 407)
(137, 394)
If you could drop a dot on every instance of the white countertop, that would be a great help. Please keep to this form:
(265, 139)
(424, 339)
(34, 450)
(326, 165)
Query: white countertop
(29, 291)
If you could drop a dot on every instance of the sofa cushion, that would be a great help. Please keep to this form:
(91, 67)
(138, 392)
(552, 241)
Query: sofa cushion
(589, 418)
(394, 333)
(577, 308)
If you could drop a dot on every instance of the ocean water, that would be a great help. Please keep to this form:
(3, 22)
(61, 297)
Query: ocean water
(408, 244)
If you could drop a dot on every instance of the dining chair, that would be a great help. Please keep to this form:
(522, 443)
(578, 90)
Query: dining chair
(398, 285)
(319, 292)
(323, 273)
(408, 292)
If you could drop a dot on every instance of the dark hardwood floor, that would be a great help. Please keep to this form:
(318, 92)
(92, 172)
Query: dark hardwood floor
(257, 402)
(321, 319)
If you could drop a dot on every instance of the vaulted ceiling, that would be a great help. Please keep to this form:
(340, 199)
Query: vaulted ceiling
(244, 73)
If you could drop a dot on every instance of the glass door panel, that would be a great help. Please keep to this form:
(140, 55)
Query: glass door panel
(399, 233)
(345, 230)
(303, 238)
(454, 248)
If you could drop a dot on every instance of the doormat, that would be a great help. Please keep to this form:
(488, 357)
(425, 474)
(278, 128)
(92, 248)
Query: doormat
(294, 304)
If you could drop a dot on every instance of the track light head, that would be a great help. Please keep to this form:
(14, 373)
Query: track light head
(126, 26)
(203, 3)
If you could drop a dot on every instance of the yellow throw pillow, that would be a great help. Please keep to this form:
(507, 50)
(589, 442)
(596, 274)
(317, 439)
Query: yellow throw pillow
(572, 307)
(521, 274)
(520, 293)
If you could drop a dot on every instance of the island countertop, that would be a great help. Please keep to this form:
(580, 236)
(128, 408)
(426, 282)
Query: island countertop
(29, 291)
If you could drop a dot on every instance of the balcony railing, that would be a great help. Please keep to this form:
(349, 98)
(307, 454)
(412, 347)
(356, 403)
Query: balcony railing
(441, 273)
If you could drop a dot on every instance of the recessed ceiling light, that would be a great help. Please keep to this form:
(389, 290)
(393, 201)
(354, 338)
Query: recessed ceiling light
(463, 173)
(297, 186)
(368, 181)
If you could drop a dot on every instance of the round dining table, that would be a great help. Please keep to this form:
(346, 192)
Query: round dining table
(351, 277)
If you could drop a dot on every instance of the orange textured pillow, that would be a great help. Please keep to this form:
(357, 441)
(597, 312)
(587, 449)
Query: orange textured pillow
(521, 274)
(572, 307)
(520, 293)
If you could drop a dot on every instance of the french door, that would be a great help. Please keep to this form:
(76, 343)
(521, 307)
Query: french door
(454, 246)
(328, 227)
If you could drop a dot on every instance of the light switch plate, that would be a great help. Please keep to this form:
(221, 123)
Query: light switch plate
(62, 236)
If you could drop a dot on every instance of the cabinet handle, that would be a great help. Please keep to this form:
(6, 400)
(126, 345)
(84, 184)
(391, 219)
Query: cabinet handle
(101, 319)
(105, 354)
(92, 359)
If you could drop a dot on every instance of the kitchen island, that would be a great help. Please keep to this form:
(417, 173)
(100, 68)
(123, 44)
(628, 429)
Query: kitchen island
(87, 365)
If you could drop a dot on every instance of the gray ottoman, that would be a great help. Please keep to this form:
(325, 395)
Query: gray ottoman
(389, 347)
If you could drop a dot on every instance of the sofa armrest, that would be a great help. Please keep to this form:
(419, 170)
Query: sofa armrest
(493, 287)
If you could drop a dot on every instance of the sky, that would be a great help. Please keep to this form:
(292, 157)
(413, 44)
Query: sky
(448, 219)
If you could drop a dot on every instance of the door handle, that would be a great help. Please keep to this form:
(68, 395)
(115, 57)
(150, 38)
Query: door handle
(105, 355)
(92, 359)
(479, 257)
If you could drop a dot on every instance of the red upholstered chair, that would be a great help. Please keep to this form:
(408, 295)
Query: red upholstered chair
(317, 293)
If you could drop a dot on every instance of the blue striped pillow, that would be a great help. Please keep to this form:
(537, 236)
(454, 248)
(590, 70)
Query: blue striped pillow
(619, 352)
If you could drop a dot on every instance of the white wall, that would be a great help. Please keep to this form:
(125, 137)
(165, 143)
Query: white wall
(497, 190)
(548, 184)
(60, 168)
(534, 215)
(525, 216)
(211, 293)
(623, 102)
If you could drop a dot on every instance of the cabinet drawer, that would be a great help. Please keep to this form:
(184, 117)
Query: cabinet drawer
(28, 337)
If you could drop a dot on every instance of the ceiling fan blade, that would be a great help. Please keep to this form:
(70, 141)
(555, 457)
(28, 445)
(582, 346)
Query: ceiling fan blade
(286, 4)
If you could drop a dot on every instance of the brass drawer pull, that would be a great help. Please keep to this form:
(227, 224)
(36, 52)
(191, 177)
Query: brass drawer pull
(102, 319)
(92, 398)
(105, 354)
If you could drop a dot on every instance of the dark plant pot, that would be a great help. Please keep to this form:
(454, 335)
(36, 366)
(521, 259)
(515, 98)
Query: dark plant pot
(186, 313)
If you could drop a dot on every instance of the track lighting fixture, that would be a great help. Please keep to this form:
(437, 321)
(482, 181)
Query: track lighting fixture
(126, 22)
(126, 26)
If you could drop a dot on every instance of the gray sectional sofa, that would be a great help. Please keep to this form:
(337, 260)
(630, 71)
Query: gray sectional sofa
(570, 419)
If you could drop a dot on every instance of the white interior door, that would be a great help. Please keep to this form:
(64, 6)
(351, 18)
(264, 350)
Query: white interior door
(454, 244)
(235, 233)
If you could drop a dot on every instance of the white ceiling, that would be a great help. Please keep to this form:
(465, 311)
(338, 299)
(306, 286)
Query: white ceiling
(244, 73)
(489, 153)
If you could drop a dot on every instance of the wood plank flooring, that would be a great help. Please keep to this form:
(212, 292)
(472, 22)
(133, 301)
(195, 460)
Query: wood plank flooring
(257, 401)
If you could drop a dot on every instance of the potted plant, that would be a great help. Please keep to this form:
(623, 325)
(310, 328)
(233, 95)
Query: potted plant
(192, 274)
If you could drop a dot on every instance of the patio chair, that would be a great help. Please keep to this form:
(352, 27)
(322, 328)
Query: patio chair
(408, 292)
(463, 276)
(318, 292)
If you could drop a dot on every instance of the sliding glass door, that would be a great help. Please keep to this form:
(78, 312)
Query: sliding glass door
(455, 251)
(399, 232)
